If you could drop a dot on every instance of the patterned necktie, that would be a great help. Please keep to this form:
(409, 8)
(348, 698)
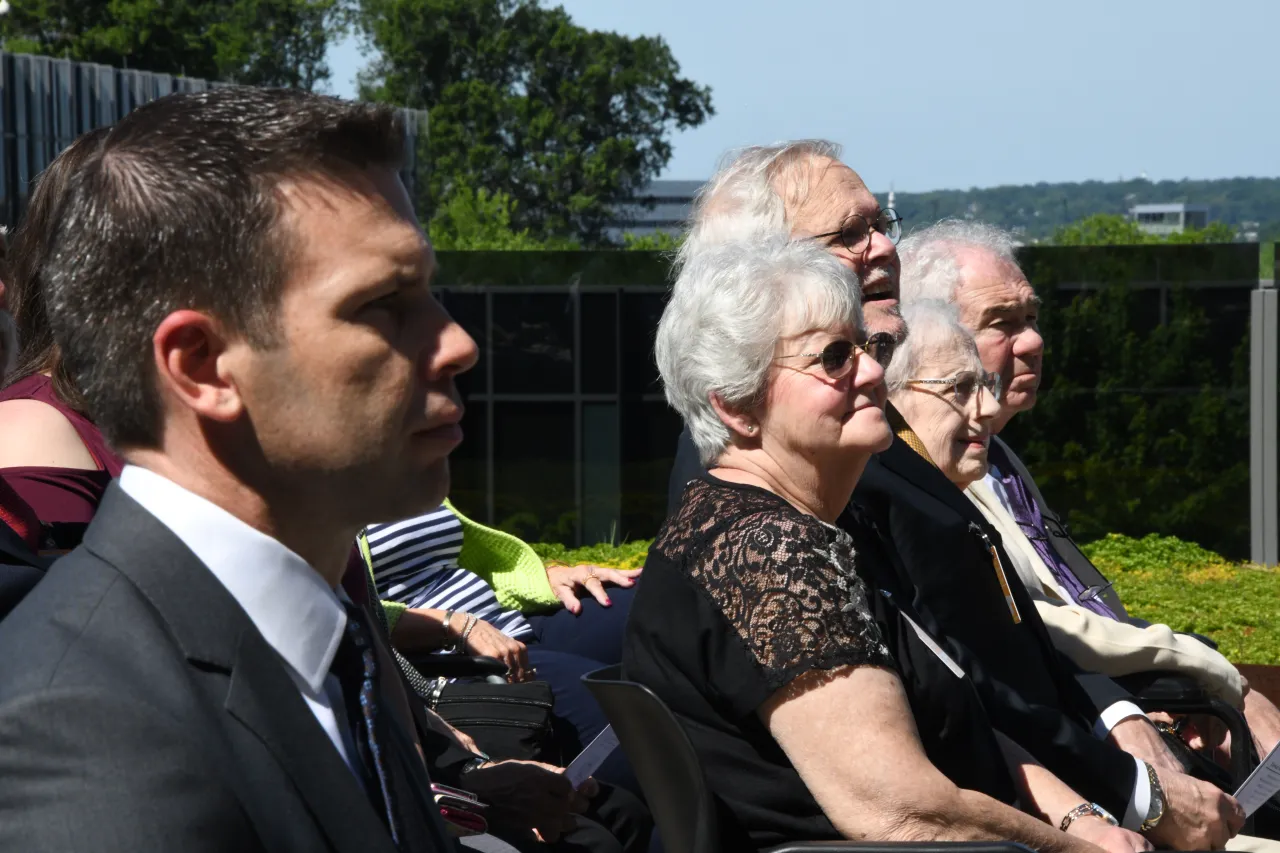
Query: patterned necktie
(1027, 514)
(356, 667)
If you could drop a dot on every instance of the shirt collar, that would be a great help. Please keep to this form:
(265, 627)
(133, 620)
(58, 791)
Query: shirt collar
(904, 431)
(288, 602)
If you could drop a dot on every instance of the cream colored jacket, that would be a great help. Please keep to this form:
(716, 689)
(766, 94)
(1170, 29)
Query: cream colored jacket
(1097, 643)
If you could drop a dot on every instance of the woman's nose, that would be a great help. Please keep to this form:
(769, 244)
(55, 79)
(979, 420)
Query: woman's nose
(869, 373)
(987, 405)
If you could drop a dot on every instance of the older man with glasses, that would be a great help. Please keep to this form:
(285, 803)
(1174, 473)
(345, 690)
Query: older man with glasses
(802, 189)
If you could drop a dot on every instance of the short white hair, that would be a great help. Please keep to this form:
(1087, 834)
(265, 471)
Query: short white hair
(933, 326)
(742, 201)
(728, 308)
(930, 269)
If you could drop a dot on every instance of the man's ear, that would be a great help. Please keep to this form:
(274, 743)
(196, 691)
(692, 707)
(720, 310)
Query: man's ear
(187, 347)
(741, 424)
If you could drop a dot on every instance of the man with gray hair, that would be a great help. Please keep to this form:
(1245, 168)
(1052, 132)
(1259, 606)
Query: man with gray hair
(800, 189)
(974, 267)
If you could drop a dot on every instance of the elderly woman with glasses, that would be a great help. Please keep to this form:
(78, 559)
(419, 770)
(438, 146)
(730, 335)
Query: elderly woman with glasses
(818, 708)
(939, 389)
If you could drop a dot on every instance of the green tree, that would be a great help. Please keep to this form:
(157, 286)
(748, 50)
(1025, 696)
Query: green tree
(1143, 419)
(658, 241)
(1101, 229)
(480, 220)
(258, 42)
(1109, 229)
(564, 120)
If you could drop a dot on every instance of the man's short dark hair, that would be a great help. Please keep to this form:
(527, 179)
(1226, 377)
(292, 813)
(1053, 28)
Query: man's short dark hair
(179, 209)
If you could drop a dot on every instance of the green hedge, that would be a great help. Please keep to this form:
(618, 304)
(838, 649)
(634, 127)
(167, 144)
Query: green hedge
(1163, 579)
(1159, 578)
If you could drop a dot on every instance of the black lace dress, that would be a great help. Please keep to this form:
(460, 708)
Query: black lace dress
(743, 594)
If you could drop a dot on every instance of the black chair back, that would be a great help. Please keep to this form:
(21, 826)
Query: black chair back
(663, 759)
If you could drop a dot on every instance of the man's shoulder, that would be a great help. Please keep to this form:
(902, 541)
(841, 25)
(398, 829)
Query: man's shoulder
(84, 623)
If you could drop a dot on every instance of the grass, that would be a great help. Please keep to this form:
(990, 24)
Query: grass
(1159, 578)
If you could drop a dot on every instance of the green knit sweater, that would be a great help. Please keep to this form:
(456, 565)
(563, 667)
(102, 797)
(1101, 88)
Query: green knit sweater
(517, 575)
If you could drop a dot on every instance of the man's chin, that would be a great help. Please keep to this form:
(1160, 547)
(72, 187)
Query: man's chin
(422, 489)
(1020, 401)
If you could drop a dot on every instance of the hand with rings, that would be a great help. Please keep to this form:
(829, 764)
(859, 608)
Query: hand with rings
(566, 580)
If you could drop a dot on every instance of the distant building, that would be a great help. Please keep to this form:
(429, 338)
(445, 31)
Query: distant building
(1165, 219)
(661, 206)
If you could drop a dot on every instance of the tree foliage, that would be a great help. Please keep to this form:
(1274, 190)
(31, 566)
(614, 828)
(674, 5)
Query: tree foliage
(479, 220)
(1143, 421)
(1109, 229)
(258, 42)
(1035, 211)
(563, 120)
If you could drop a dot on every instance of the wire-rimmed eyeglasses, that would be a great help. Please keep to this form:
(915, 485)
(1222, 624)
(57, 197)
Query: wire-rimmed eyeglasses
(855, 234)
(964, 385)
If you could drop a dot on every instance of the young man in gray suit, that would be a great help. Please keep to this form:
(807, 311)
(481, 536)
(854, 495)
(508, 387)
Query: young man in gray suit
(240, 288)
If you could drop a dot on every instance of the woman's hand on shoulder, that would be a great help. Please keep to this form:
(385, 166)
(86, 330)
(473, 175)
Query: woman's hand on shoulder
(34, 434)
(565, 581)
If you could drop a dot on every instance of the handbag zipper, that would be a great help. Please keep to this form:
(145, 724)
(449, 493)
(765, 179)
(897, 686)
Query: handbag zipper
(485, 721)
(505, 700)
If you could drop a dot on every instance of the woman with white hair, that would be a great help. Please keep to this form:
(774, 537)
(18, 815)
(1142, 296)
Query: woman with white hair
(939, 387)
(816, 708)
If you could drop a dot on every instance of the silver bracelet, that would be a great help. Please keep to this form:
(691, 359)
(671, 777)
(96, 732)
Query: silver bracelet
(450, 645)
(1087, 810)
(466, 632)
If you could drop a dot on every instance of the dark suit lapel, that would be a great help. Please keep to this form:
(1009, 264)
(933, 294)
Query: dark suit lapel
(220, 641)
(924, 475)
(906, 463)
(416, 804)
(266, 701)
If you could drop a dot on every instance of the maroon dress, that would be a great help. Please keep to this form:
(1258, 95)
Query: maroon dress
(64, 499)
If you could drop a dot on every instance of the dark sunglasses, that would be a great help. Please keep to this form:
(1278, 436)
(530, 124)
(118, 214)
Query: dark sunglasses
(837, 357)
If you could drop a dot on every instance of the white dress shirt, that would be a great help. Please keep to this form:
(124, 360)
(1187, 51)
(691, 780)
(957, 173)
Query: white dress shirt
(287, 601)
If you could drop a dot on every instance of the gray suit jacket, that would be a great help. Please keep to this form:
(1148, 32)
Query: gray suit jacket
(141, 710)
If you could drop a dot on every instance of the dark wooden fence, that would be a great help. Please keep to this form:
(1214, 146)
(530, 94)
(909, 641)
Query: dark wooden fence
(46, 103)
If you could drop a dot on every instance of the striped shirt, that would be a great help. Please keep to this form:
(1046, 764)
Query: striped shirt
(415, 562)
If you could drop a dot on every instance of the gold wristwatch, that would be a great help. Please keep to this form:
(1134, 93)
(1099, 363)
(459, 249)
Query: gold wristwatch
(1155, 810)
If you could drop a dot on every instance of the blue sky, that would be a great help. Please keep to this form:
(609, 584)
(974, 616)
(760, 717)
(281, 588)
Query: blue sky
(938, 94)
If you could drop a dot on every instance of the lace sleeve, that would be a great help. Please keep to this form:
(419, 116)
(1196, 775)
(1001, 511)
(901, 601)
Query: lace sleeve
(786, 584)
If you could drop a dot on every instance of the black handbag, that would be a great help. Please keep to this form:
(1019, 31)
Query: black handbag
(507, 721)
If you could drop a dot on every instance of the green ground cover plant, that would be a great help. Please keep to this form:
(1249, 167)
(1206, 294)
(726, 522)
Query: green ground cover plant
(1159, 578)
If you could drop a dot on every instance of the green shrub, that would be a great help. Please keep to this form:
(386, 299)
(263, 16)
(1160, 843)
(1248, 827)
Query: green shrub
(1163, 579)
(1159, 578)
(628, 555)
